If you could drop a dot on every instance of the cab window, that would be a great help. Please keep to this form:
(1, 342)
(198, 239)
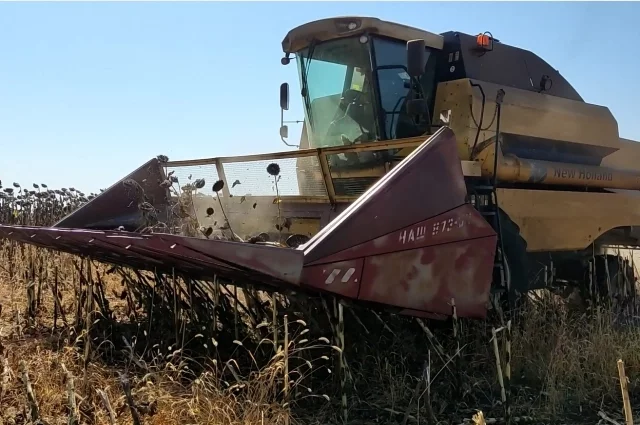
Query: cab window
(394, 86)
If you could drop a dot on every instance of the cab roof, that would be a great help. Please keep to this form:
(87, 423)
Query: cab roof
(338, 27)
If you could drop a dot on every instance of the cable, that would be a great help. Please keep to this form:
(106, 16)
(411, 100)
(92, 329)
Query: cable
(473, 149)
(473, 118)
(497, 142)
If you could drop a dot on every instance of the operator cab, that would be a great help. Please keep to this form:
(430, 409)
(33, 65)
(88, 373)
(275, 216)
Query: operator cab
(356, 85)
(366, 80)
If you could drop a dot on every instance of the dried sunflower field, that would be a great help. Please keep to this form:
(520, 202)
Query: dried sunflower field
(88, 343)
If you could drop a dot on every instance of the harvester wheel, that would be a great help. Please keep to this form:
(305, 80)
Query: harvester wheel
(515, 255)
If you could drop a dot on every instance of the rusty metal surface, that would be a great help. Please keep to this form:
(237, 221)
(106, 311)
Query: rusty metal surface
(427, 183)
(199, 258)
(426, 279)
(419, 268)
(119, 205)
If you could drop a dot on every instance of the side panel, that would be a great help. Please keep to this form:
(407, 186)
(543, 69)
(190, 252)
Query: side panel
(559, 220)
(504, 64)
(419, 268)
(411, 241)
(627, 158)
(532, 125)
(122, 204)
(461, 223)
(426, 279)
(250, 216)
(427, 183)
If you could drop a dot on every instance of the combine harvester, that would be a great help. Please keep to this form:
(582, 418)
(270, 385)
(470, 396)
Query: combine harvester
(391, 199)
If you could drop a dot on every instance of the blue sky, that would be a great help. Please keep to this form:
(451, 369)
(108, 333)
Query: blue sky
(90, 91)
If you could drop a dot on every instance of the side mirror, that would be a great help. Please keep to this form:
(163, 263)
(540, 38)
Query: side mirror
(284, 96)
(284, 106)
(415, 57)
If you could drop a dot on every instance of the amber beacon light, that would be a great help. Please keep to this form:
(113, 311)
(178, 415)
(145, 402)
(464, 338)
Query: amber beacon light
(485, 41)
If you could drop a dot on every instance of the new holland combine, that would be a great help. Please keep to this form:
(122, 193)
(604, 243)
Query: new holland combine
(430, 168)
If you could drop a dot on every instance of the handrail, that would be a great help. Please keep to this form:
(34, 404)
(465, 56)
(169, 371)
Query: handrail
(324, 172)
(364, 147)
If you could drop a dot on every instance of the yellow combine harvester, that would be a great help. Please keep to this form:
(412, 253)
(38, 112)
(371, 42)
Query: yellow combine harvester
(430, 167)
(566, 181)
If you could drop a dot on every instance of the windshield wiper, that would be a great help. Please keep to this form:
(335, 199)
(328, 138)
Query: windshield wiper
(305, 85)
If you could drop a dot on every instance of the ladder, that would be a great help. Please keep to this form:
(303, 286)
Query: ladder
(485, 200)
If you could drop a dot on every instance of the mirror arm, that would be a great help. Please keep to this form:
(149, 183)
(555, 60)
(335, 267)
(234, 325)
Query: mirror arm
(289, 144)
(281, 128)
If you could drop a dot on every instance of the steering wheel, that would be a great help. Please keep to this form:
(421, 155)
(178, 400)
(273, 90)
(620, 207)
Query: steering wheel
(351, 97)
(351, 105)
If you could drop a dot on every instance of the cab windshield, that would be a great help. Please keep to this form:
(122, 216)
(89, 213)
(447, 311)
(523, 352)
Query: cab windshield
(347, 101)
(336, 86)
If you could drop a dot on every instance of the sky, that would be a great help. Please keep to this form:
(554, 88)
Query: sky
(91, 91)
